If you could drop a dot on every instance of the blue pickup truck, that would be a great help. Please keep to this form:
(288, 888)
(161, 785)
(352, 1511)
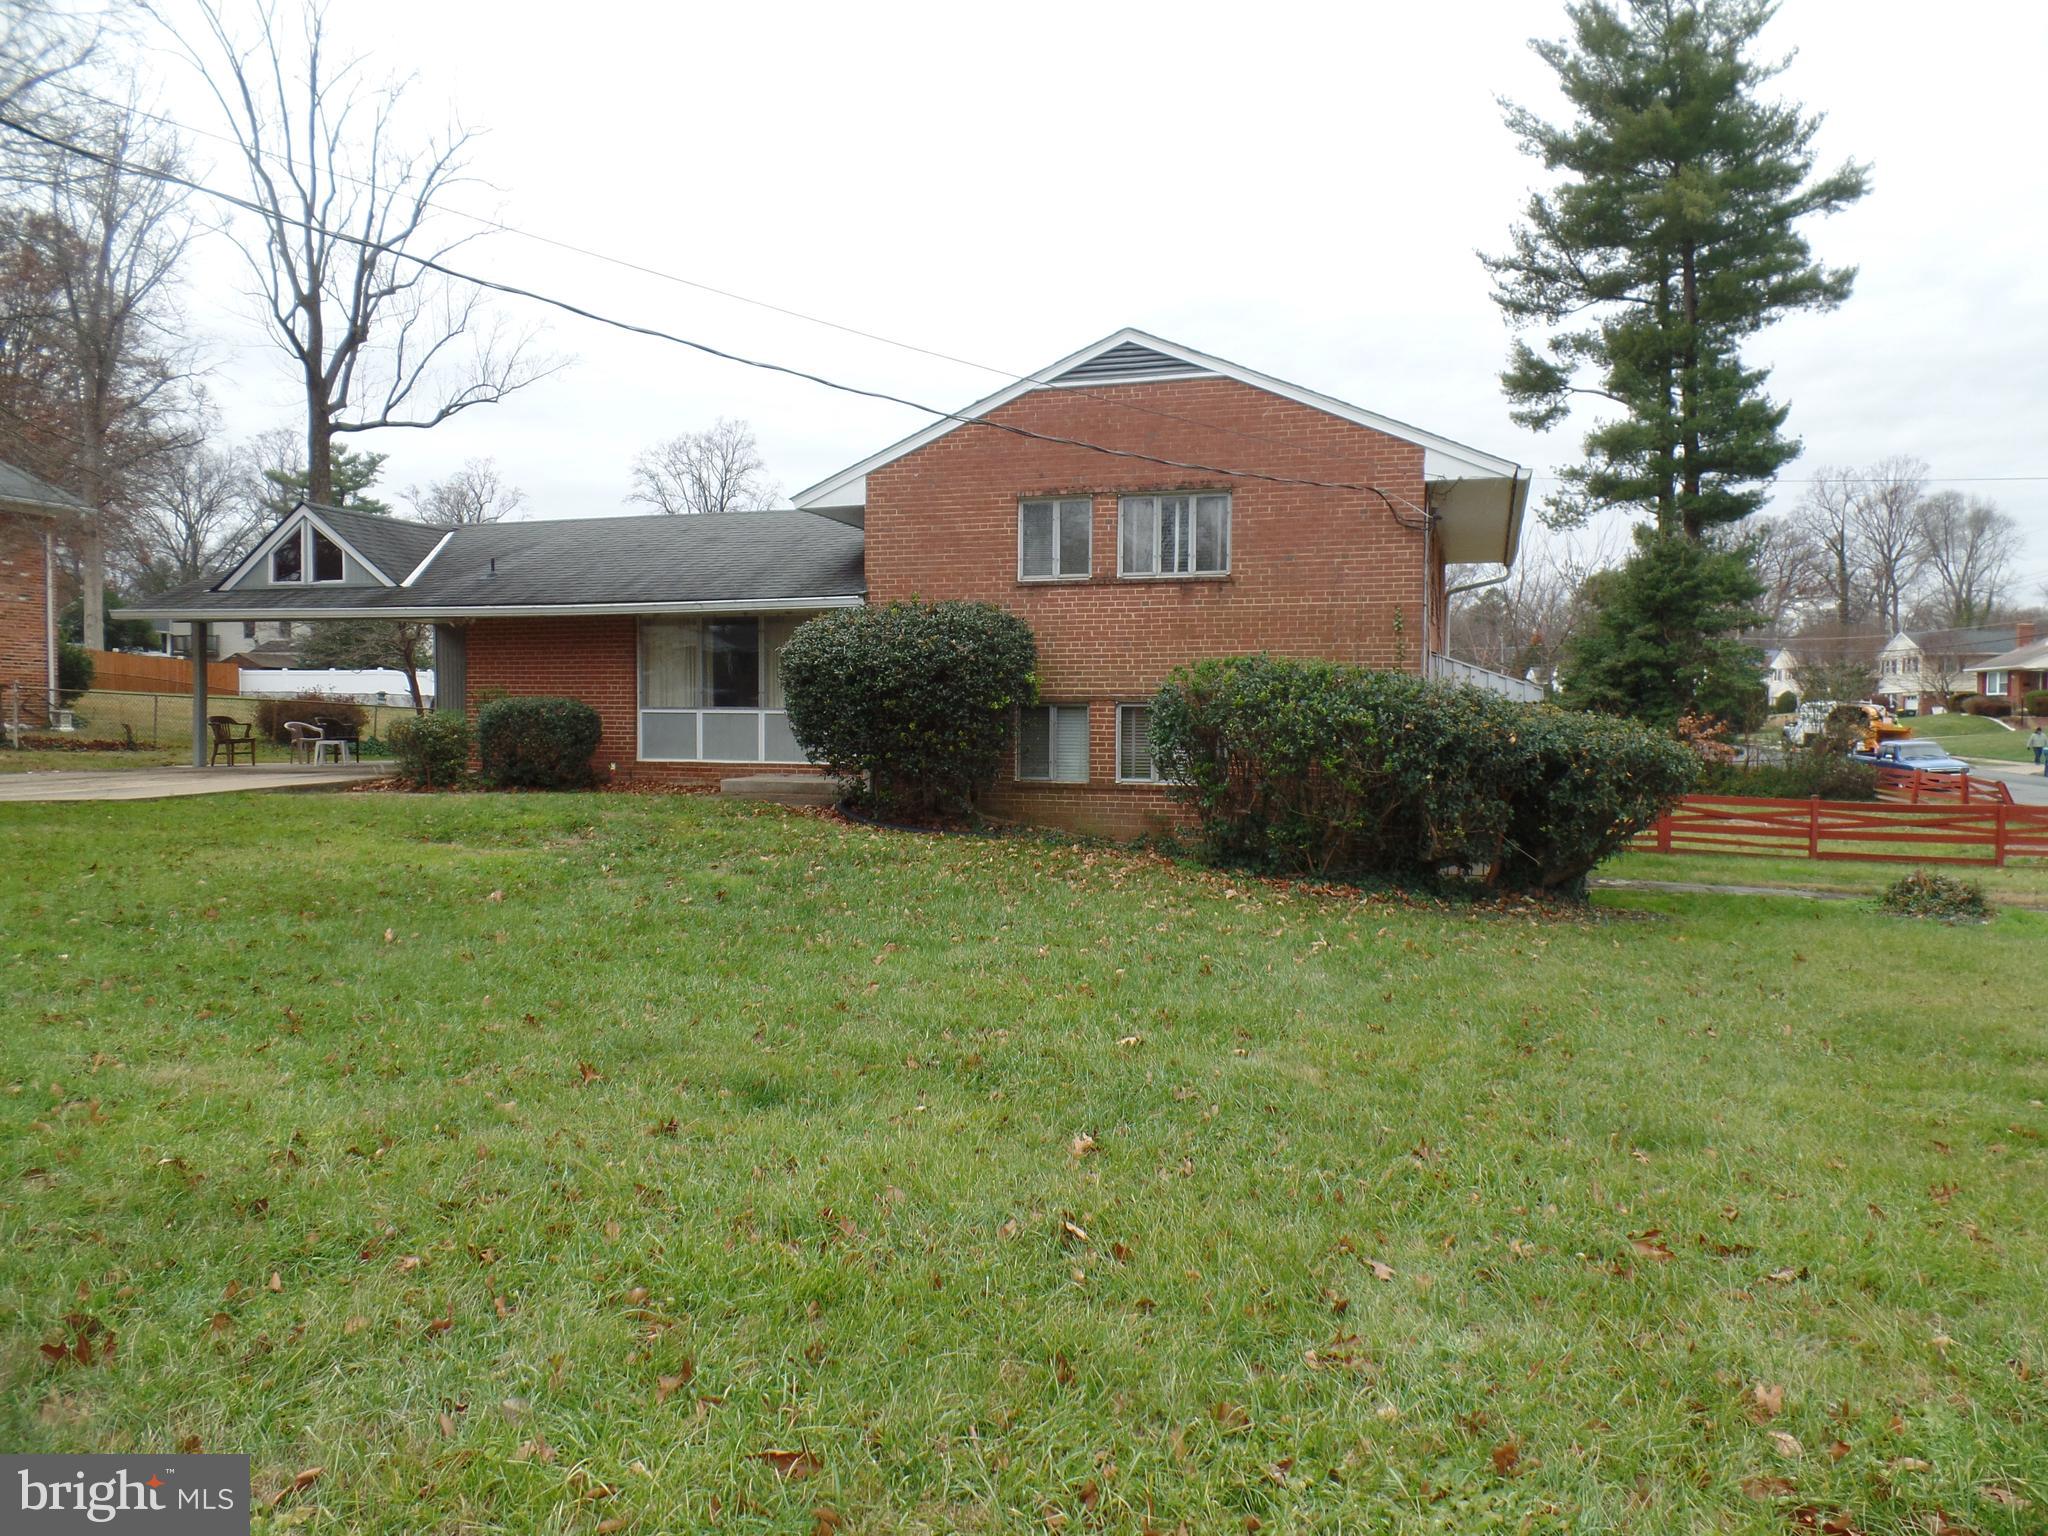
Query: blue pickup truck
(1929, 756)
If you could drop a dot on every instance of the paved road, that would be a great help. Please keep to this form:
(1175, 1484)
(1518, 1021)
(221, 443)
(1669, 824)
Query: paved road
(169, 783)
(2028, 784)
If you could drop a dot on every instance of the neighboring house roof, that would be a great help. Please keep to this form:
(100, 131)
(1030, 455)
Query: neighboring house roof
(1480, 496)
(2026, 658)
(1981, 640)
(651, 564)
(21, 491)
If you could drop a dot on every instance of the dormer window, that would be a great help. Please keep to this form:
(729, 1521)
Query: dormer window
(307, 549)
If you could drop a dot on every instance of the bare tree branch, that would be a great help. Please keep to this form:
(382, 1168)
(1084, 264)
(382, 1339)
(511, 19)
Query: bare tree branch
(717, 470)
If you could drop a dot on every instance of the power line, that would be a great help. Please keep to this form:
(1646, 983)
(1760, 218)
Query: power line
(513, 290)
(1009, 375)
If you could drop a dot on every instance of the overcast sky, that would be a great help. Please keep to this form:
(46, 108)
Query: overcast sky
(1298, 188)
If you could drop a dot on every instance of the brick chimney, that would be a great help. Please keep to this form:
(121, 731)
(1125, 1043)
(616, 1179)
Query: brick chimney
(2023, 633)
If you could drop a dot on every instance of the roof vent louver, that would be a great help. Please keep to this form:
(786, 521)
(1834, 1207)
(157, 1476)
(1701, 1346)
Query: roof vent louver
(1129, 360)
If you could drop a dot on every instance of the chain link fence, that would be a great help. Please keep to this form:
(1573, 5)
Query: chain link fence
(108, 719)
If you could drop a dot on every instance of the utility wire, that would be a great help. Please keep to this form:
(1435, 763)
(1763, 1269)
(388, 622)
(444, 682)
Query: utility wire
(1009, 375)
(512, 290)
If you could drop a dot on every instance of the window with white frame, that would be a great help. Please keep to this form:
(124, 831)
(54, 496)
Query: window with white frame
(1994, 683)
(1053, 539)
(1052, 743)
(307, 549)
(1187, 535)
(1135, 763)
(711, 690)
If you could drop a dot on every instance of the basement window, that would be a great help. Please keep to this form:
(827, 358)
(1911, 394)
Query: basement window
(1052, 743)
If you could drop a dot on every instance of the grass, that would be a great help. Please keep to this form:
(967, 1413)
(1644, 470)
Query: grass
(1973, 736)
(535, 1163)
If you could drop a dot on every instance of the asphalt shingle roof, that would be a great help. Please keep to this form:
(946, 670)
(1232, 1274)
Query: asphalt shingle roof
(21, 488)
(589, 563)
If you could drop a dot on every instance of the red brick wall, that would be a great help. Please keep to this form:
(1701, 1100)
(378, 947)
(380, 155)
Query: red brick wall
(24, 608)
(596, 660)
(1314, 573)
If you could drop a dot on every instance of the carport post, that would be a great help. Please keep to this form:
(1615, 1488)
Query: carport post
(199, 635)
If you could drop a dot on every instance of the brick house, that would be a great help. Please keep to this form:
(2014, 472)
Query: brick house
(1139, 503)
(31, 513)
(2015, 673)
(1919, 668)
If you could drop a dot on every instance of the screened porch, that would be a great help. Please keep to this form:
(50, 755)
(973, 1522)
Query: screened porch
(711, 690)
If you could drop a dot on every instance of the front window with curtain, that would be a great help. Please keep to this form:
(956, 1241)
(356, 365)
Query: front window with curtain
(711, 690)
(1052, 743)
(1186, 535)
(1135, 763)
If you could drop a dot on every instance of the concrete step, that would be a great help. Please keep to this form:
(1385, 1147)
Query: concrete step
(782, 788)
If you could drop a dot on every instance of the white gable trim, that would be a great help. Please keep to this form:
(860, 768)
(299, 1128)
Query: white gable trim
(431, 554)
(300, 516)
(1443, 459)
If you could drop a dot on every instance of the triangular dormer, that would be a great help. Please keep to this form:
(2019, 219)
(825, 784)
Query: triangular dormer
(314, 546)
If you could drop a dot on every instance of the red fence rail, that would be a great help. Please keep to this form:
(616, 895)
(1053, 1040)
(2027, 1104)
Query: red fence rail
(1984, 831)
(1919, 786)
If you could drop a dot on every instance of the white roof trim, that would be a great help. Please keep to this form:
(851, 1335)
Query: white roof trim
(415, 575)
(1444, 459)
(302, 513)
(493, 611)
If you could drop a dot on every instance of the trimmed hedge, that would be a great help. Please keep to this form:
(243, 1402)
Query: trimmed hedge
(1325, 769)
(2036, 702)
(1993, 708)
(432, 750)
(75, 668)
(910, 704)
(537, 743)
(1787, 703)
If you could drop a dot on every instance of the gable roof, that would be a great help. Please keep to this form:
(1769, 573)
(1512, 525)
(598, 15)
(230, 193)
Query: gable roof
(2031, 657)
(724, 561)
(21, 491)
(1481, 501)
(1980, 640)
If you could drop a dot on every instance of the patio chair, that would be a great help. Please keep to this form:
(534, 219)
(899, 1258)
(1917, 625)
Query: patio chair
(305, 740)
(233, 737)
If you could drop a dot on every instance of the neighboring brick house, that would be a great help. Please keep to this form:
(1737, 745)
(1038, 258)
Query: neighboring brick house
(1140, 504)
(31, 513)
(2015, 673)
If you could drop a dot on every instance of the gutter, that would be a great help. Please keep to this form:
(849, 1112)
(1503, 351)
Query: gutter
(495, 611)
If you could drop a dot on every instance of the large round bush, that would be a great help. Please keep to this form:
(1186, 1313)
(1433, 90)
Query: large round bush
(911, 703)
(1319, 768)
(537, 743)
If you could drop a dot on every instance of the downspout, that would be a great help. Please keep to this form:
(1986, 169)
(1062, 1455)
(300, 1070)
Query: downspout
(50, 613)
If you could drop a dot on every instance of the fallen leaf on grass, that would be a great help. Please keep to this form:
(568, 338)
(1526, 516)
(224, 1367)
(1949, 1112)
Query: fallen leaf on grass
(1081, 1145)
(1837, 1449)
(1766, 1486)
(791, 1464)
(1380, 1272)
(1787, 1445)
(536, 1449)
(1650, 1245)
(1507, 1457)
(1230, 1418)
(614, 1523)
(1769, 1401)
(2003, 1496)
(303, 1480)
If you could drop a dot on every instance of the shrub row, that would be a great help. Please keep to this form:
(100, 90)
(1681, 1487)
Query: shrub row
(1802, 775)
(520, 743)
(909, 703)
(1325, 769)
(1992, 708)
(431, 750)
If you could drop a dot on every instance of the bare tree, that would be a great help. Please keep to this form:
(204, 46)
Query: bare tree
(1790, 566)
(198, 513)
(1826, 522)
(111, 236)
(717, 470)
(39, 43)
(475, 493)
(1970, 548)
(378, 341)
(1885, 516)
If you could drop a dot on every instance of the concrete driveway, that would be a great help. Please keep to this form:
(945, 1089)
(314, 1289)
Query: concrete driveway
(171, 783)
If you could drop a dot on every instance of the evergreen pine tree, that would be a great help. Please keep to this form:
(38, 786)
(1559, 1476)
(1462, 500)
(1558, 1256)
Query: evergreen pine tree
(1671, 238)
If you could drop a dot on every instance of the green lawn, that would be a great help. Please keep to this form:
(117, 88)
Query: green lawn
(580, 1164)
(1972, 736)
(2023, 880)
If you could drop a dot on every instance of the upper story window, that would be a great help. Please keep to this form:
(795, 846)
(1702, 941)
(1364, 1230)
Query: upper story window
(1053, 539)
(308, 549)
(1173, 536)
